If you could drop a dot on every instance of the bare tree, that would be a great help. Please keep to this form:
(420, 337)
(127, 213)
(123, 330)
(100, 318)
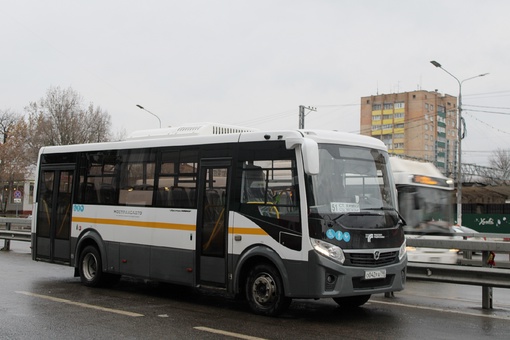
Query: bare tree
(500, 161)
(12, 158)
(98, 124)
(61, 119)
(8, 119)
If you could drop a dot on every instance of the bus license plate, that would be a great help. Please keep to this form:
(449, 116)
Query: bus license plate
(375, 274)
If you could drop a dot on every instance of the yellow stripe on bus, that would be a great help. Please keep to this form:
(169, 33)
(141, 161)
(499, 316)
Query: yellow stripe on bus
(131, 223)
(161, 225)
(247, 231)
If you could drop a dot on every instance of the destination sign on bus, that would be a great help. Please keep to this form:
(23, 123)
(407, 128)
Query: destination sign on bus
(420, 179)
(343, 207)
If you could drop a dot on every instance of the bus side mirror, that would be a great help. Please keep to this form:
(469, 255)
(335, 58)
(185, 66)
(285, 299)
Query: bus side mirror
(309, 151)
(311, 156)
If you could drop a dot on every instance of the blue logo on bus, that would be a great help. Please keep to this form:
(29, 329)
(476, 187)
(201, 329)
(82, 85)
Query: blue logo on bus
(330, 234)
(347, 236)
(339, 235)
(78, 208)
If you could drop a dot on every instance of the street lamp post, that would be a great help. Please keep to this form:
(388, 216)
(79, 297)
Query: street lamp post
(459, 137)
(141, 107)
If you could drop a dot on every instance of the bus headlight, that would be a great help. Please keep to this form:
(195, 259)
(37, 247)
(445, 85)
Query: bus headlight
(402, 251)
(329, 250)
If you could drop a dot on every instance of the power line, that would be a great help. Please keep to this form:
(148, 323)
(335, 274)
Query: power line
(484, 111)
(487, 93)
(488, 107)
(492, 127)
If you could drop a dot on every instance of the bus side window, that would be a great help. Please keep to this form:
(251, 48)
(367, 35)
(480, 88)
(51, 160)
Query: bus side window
(107, 194)
(88, 193)
(253, 184)
(180, 197)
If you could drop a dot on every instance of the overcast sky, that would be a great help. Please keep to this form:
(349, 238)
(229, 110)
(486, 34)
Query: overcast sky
(252, 63)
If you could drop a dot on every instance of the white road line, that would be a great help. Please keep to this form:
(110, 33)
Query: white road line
(80, 304)
(221, 332)
(441, 310)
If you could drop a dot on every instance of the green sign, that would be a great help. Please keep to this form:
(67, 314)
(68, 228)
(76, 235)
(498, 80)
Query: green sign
(487, 223)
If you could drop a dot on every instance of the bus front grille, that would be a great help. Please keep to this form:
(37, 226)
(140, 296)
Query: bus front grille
(369, 259)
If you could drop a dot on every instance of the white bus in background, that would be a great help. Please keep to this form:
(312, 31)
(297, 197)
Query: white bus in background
(425, 198)
(266, 215)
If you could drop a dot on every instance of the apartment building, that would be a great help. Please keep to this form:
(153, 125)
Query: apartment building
(418, 124)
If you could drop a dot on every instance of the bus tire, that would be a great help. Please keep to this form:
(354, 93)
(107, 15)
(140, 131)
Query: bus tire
(352, 301)
(264, 291)
(90, 267)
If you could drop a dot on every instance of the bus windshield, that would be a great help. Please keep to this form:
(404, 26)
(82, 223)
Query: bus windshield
(351, 179)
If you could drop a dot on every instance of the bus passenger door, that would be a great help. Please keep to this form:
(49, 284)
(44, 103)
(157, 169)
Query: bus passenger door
(54, 214)
(212, 222)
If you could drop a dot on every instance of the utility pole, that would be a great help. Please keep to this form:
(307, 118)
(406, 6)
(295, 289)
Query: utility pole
(302, 114)
(460, 136)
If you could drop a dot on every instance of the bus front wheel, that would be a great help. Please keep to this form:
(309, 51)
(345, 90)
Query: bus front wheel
(352, 301)
(264, 291)
(90, 267)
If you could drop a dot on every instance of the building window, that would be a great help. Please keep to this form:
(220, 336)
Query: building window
(376, 107)
(390, 116)
(388, 106)
(377, 117)
(399, 105)
(399, 115)
(387, 138)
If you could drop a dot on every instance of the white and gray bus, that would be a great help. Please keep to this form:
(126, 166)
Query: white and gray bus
(269, 216)
(424, 195)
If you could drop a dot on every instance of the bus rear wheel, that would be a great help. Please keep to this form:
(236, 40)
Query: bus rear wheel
(90, 267)
(264, 291)
(352, 301)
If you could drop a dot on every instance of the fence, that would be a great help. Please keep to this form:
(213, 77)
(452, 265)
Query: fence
(478, 274)
(16, 229)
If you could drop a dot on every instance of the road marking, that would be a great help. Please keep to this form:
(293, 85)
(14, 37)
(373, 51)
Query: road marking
(234, 335)
(80, 304)
(441, 310)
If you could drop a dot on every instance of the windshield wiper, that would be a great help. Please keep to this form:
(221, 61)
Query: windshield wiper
(403, 222)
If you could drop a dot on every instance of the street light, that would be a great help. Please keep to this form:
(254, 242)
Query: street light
(459, 136)
(141, 107)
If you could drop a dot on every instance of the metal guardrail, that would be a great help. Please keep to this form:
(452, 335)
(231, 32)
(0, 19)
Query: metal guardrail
(15, 235)
(481, 274)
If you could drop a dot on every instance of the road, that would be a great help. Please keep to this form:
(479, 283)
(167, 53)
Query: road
(45, 301)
